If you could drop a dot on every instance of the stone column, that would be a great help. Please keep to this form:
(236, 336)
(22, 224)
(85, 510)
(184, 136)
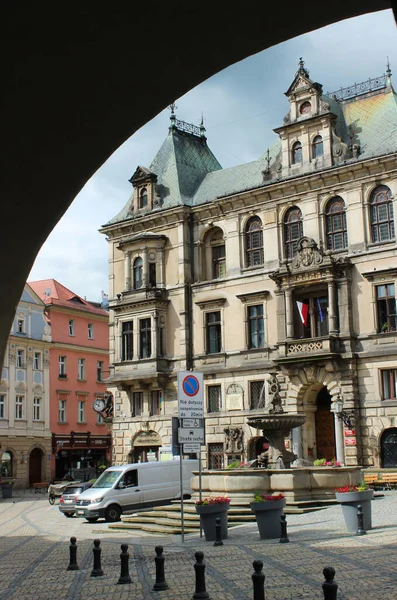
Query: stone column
(160, 268)
(289, 315)
(127, 267)
(296, 435)
(339, 441)
(332, 317)
(145, 274)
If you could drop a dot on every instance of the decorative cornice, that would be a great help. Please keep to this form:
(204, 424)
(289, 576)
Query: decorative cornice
(261, 295)
(214, 303)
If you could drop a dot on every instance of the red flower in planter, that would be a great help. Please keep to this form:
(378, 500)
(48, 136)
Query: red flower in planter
(212, 500)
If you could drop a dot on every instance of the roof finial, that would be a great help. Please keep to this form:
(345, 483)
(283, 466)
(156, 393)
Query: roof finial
(268, 159)
(388, 71)
(202, 128)
(172, 107)
(302, 69)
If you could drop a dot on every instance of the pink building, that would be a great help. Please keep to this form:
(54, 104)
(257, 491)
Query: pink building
(79, 363)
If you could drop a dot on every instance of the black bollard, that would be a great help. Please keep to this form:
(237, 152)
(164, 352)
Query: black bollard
(284, 537)
(97, 570)
(330, 588)
(73, 566)
(160, 584)
(360, 521)
(218, 532)
(258, 579)
(124, 571)
(199, 567)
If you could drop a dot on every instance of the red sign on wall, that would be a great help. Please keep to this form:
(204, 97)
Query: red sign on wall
(350, 441)
(350, 432)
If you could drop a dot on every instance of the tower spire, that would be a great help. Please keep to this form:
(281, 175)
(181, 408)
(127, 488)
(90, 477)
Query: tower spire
(388, 72)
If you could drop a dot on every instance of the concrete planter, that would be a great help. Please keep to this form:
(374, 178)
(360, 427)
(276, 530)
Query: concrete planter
(6, 490)
(208, 515)
(349, 502)
(268, 517)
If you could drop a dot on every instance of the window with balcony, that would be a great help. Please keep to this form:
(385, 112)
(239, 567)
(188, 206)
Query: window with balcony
(155, 402)
(81, 411)
(213, 332)
(311, 316)
(254, 242)
(36, 409)
(62, 411)
(381, 214)
(214, 398)
(137, 404)
(37, 361)
(137, 272)
(127, 340)
(90, 328)
(81, 369)
(20, 362)
(71, 327)
(145, 338)
(386, 307)
(19, 407)
(62, 367)
(389, 384)
(2, 406)
(293, 231)
(257, 394)
(99, 370)
(335, 224)
(216, 456)
(256, 330)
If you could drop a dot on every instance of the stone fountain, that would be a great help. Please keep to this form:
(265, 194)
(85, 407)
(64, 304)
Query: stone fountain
(276, 425)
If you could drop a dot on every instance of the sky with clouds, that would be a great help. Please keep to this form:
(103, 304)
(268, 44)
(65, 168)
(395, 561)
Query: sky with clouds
(241, 106)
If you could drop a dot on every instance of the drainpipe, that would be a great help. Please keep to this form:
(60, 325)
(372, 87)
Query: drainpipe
(189, 298)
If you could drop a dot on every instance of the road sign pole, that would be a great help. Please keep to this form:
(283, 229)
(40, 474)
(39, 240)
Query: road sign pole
(200, 491)
(181, 490)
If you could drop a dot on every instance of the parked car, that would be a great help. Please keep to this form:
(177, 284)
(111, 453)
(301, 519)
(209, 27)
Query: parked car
(67, 501)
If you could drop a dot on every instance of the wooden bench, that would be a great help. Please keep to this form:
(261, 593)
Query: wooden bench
(372, 479)
(388, 480)
(38, 487)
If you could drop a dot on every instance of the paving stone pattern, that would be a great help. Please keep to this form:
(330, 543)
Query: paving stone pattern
(34, 555)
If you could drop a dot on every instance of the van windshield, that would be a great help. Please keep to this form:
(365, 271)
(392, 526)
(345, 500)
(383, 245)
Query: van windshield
(107, 479)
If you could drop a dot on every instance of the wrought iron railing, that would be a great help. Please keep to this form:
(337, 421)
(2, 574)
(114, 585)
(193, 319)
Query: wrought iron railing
(188, 127)
(358, 89)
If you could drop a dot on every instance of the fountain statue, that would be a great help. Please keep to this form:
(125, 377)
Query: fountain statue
(276, 425)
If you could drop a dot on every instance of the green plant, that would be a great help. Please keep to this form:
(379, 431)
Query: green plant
(260, 497)
(212, 500)
(320, 462)
(236, 464)
(362, 487)
(385, 327)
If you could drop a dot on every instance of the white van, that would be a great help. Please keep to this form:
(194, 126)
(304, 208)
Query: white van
(127, 487)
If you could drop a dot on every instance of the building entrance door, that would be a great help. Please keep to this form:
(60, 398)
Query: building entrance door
(35, 463)
(325, 429)
(388, 448)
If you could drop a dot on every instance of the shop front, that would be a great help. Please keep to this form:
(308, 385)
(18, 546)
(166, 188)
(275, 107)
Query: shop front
(79, 455)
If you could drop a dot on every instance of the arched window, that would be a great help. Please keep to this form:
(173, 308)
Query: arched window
(6, 465)
(143, 198)
(137, 273)
(317, 147)
(382, 217)
(293, 230)
(254, 242)
(335, 223)
(297, 153)
(218, 254)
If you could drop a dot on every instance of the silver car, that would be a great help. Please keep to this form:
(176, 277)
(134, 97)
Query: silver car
(67, 501)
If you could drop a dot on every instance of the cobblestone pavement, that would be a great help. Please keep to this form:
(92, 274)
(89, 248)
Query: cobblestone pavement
(34, 555)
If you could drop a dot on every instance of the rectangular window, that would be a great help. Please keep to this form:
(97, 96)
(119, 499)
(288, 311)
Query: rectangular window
(152, 274)
(62, 411)
(19, 360)
(2, 406)
(137, 404)
(71, 327)
(19, 407)
(81, 411)
(256, 335)
(37, 361)
(62, 366)
(213, 332)
(99, 370)
(145, 338)
(216, 456)
(20, 326)
(257, 394)
(386, 307)
(214, 395)
(389, 384)
(155, 402)
(36, 409)
(90, 331)
(218, 262)
(126, 341)
(81, 368)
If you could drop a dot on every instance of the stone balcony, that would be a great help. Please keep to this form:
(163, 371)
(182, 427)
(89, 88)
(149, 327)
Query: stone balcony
(308, 349)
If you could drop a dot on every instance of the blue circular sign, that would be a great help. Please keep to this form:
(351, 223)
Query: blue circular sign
(191, 385)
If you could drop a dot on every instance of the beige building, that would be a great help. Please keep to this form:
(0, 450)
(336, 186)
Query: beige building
(25, 434)
(273, 277)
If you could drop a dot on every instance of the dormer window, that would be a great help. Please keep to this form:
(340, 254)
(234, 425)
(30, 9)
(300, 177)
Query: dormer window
(318, 147)
(137, 272)
(297, 153)
(143, 198)
(305, 108)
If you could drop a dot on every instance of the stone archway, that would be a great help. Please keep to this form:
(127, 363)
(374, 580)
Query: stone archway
(388, 448)
(145, 446)
(325, 428)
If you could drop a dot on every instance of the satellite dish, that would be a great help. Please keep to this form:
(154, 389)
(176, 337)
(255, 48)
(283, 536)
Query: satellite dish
(48, 292)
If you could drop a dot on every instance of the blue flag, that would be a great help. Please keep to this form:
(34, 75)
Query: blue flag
(320, 312)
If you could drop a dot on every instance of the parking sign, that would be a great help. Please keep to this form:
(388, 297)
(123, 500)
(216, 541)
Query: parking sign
(190, 395)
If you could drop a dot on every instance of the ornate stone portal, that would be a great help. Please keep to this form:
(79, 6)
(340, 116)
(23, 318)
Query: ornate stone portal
(276, 426)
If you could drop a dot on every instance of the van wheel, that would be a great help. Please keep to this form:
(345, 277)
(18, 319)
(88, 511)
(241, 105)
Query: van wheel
(69, 514)
(113, 513)
(91, 519)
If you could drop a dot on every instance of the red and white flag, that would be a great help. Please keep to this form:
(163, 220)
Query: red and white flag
(303, 311)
